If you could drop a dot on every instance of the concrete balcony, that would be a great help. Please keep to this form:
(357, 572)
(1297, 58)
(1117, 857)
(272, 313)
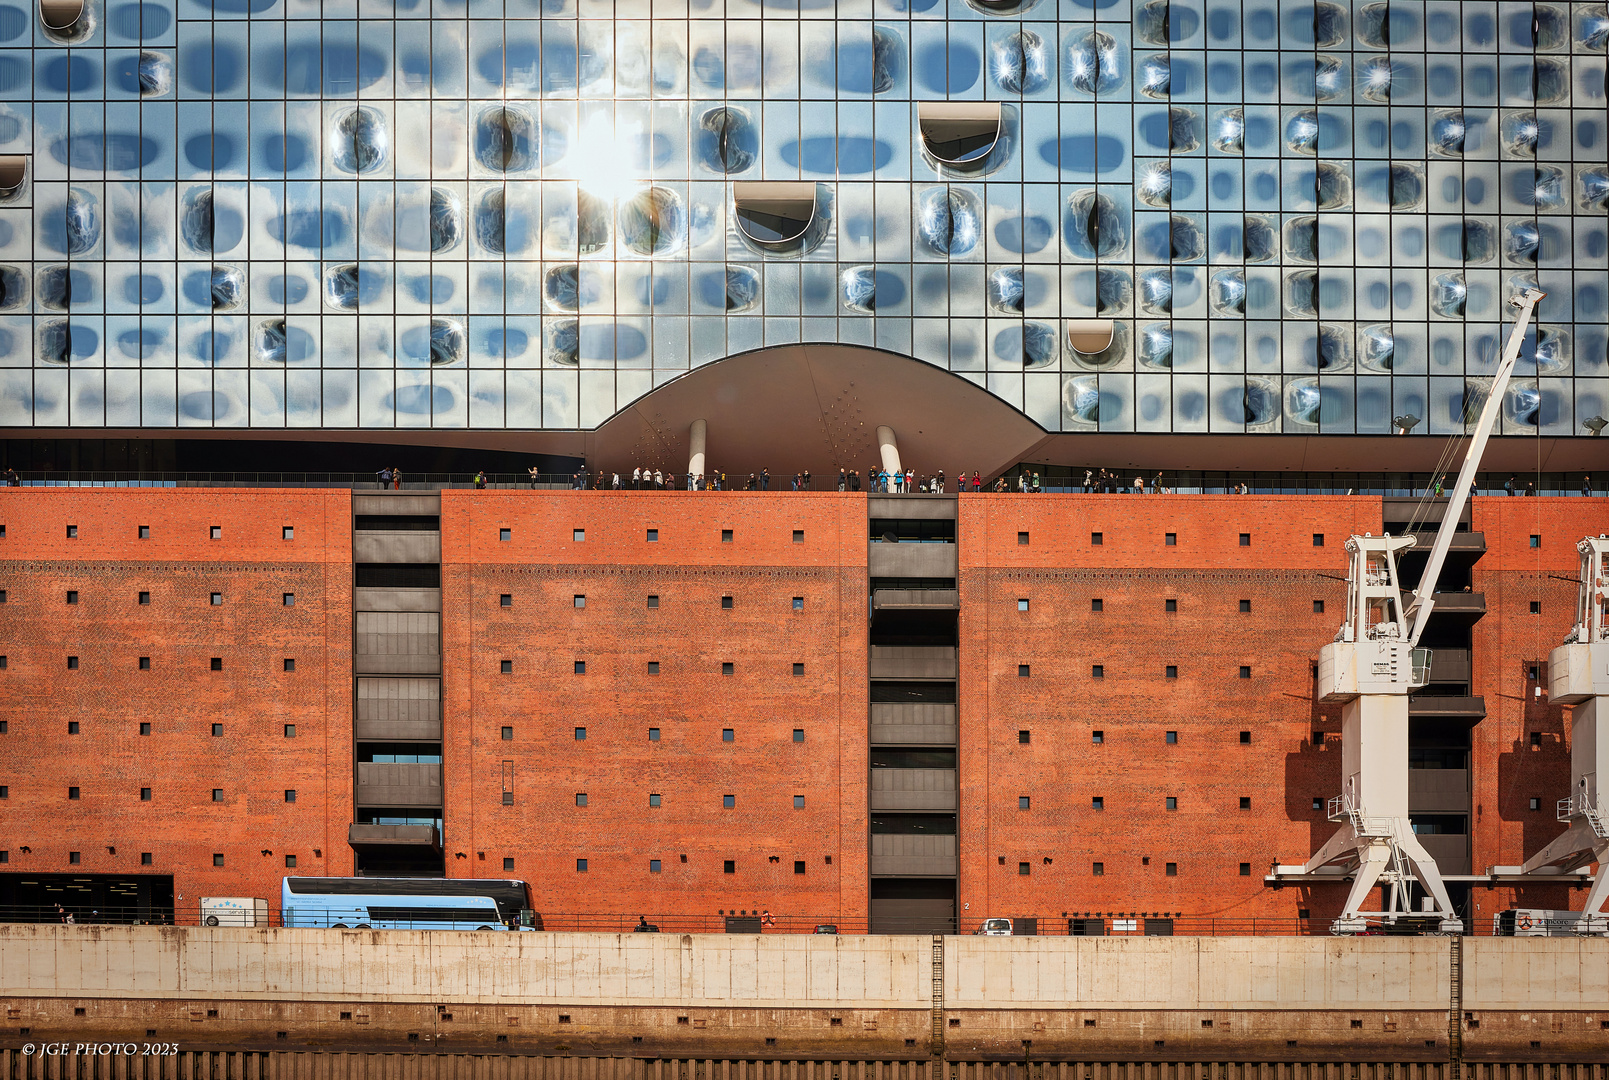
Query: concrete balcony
(1438, 791)
(912, 507)
(1450, 666)
(382, 783)
(362, 835)
(911, 662)
(401, 546)
(1468, 711)
(1450, 850)
(912, 723)
(397, 643)
(916, 600)
(1463, 608)
(398, 709)
(911, 560)
(913, 789)
(912, 855)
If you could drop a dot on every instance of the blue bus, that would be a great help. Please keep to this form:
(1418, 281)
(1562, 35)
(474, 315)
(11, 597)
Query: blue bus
(405, 903)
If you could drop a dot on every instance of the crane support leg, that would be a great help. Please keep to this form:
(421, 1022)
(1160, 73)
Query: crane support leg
(1587, 838)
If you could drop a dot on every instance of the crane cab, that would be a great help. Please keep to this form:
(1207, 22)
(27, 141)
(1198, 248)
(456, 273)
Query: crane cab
(1579, 669)
(1373, 653)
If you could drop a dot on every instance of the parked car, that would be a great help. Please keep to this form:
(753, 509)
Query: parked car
(995, 928)
(825, 928)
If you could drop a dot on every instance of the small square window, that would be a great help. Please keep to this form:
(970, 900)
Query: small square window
(287, 532)
(653, 667)
(581, 866)
(1097, 671)
(728, 735)
(1023, 869)
(729, 866)
(798, 603)
(1023, 802)
(653, 866)
(1024, 736)
(1318, 804)
(290, 731)
(653, 536)
(1536, 540)
(654, 800)
(726, 536)
(145, 858)
(1536, 607)
(215, 532)
(145, 727)
(508, 798)
(288, 599)
(798, 669)
(798, 866)
(1536, 740)
(72, 596)
(580, 734)
(1097, 869)
(1171, 671)
(1170, 604)
(728, 802)
(217, 794)
(74, 859)
(1097, 802)
(1097, 539)
(72, 793)
(1318, 738)
(726, 603)
(1022, 671)
(72, 663)
(578, 600)
(2, 596)
(1245, 671)
(726, 669)
(1318, 539)
(145, 598)
(581, 798)
(1172, 802)
(145, 532)
(290, 862)
(580, 667)
(72, 532)
(216, 599)
(1245, 539)
(1022, 604)
(1531, 672)
(145, 663)
(1245, 737)
(1171, 738)
(72, 727)
(1170, 539)
(1536, 804)
(508, 734)
(1245, 605)
(1245, 869)
(798, 802)
(578, 535)
(798, 536)
(653, 734)
(1245, 802)
(290, 794)
(1097, 604)
(1097, 737)
(5, 792)
(290, 663)
(798, 734)
(1171, 869)
(505, 600)
(216, 663)
(1022, 538)
(653, 601)
(1318, 607)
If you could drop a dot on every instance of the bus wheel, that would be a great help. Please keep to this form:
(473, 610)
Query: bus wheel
(362, 926)
(212, 920)
(338, 926)
(483, 928)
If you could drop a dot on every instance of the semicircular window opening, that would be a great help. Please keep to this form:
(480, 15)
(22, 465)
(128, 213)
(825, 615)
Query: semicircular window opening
(775, 214)
(13, 171)
(959, 134)
(1090, 336)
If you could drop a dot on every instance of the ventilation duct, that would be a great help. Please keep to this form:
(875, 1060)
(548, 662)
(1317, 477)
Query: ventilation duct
(960, 135)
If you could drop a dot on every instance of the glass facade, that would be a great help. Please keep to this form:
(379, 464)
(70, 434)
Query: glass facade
(1303, 217)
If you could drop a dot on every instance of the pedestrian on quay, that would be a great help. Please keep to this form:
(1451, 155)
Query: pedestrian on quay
(659, 480)
(1440, 480)
(939, 481)
(795, 482)
(977, 481)
(1586, 485)
(1036, 488)
(1139, 485)
(910, 478)
(614, 481)
(534, 475)
(480, 479)
(396, 479)
(1156, 485)
(765, 479)
(854, 480)
(1530, 488)
(12, 479)
(843, 480)
(636, 479)
(807, 479)
(384, 476)
(1509, 486)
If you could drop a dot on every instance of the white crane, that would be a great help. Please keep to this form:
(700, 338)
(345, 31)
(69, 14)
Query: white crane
(1578, 676)
(1371, 667)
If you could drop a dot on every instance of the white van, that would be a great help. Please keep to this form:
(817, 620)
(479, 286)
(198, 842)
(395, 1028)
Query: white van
(233, 911)
(995, 928)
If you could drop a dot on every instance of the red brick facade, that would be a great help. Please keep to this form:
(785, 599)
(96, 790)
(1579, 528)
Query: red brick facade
(690, 635)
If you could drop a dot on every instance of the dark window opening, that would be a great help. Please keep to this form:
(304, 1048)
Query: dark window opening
(397, 575)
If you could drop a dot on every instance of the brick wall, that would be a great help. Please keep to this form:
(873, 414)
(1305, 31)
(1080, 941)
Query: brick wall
(542, 567)
(252, 632)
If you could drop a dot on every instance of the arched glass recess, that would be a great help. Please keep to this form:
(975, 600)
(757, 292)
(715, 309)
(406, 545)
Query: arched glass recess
(1090, 336)
(961, 135)
(777, 215)
(13, 174)
(66, 20)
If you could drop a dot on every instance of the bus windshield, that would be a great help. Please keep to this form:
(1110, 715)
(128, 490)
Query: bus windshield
(403, 903)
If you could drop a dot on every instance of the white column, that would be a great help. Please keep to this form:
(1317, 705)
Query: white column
(889, 449)
(697, 437)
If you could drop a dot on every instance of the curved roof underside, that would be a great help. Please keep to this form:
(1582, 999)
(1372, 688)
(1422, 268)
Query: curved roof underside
(793, 407)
